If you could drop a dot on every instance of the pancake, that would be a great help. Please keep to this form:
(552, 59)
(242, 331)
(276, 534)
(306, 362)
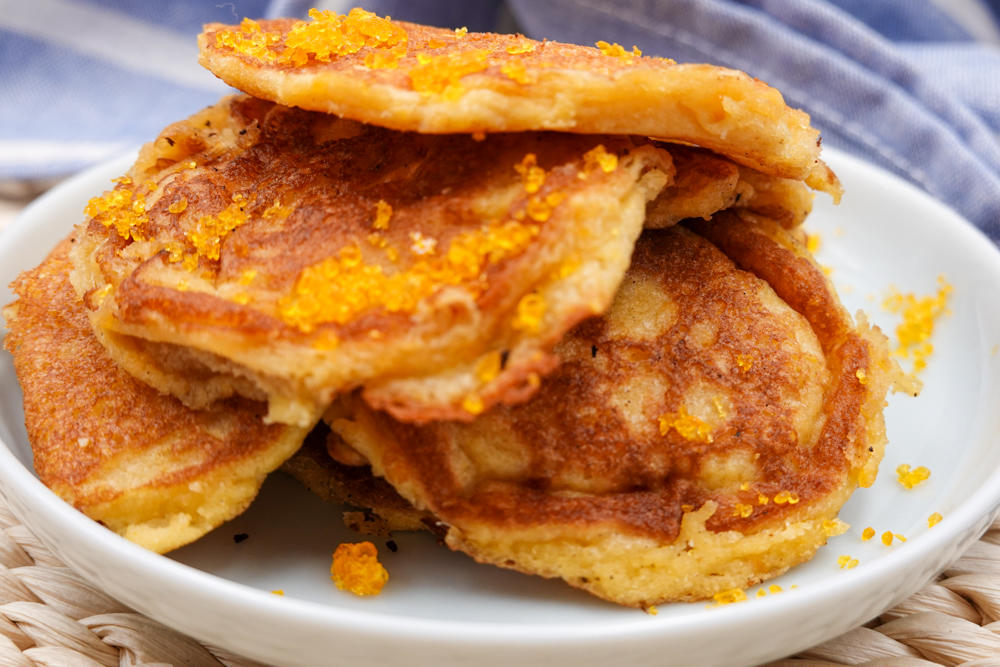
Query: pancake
(706, 183)
(432, 80)
(700, 436)
(141, 463)
(293, 255)
(351, 484)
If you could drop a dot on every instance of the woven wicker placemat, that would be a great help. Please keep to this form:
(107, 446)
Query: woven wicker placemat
(51, 617)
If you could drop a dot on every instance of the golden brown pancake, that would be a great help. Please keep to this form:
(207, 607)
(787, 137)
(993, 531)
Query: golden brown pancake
(700, 436)
(354, 485)
(293, 255)
(706, 183)
(413, 77)
(141, 463)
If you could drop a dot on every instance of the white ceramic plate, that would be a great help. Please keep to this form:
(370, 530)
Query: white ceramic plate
(441, 609)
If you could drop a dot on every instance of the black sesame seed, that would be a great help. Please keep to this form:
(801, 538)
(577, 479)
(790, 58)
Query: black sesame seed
(240, 537)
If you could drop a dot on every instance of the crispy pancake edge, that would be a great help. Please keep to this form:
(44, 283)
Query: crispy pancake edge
(85, 456)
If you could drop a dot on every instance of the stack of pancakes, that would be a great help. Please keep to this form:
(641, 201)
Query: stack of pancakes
(552, 300)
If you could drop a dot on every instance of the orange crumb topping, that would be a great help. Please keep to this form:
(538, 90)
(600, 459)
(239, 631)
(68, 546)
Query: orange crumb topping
(488, 366)
(598, 158)
(121, 208)
(356, 569)
(887, 538)
(340, 288)
(473, 404)
(846, 562)
(744, 361)
(461, 32)
(762, 499)
(651, 610)
(250, 40)
(689, 426)
(211, 229)
(539, 209)
(910, 478)
(532, 175)
(862, 376)
(178, 206)
(530, 311)
(522, 46)
(730, 596)
(813, 242)
(383, 212)
(867, 534)
(783, 497)
(325, 36)
(742, 511)
(761, 592)
(919, 315)
(934, 519)
(899, 537)
(278, 591)
(616, 50)
(774, 588)
(440, 75)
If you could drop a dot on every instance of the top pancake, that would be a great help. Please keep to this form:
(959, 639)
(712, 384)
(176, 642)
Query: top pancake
(144, 465)
(291, 255)
(413, 77)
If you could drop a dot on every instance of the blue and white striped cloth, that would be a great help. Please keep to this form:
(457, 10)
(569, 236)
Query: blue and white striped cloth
(912, 85)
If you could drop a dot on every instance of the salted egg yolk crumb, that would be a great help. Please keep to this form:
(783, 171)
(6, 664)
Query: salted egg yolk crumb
(689, 426)
(618, 51)
(730, 596)
(356, 569)
(910, 478)
(934, 519)
(846, 562)
(919, 315)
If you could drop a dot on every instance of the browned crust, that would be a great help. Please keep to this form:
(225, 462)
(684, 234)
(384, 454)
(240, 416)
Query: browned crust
(646, 502)
(89, 422)
(572, 88)
(329, 175)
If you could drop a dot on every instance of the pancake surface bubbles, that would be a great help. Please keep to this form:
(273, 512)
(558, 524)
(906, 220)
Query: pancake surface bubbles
(290, 255)
(700, 436)
(147, 467)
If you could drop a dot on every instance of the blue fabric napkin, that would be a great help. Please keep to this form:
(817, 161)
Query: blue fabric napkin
(911, 85)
